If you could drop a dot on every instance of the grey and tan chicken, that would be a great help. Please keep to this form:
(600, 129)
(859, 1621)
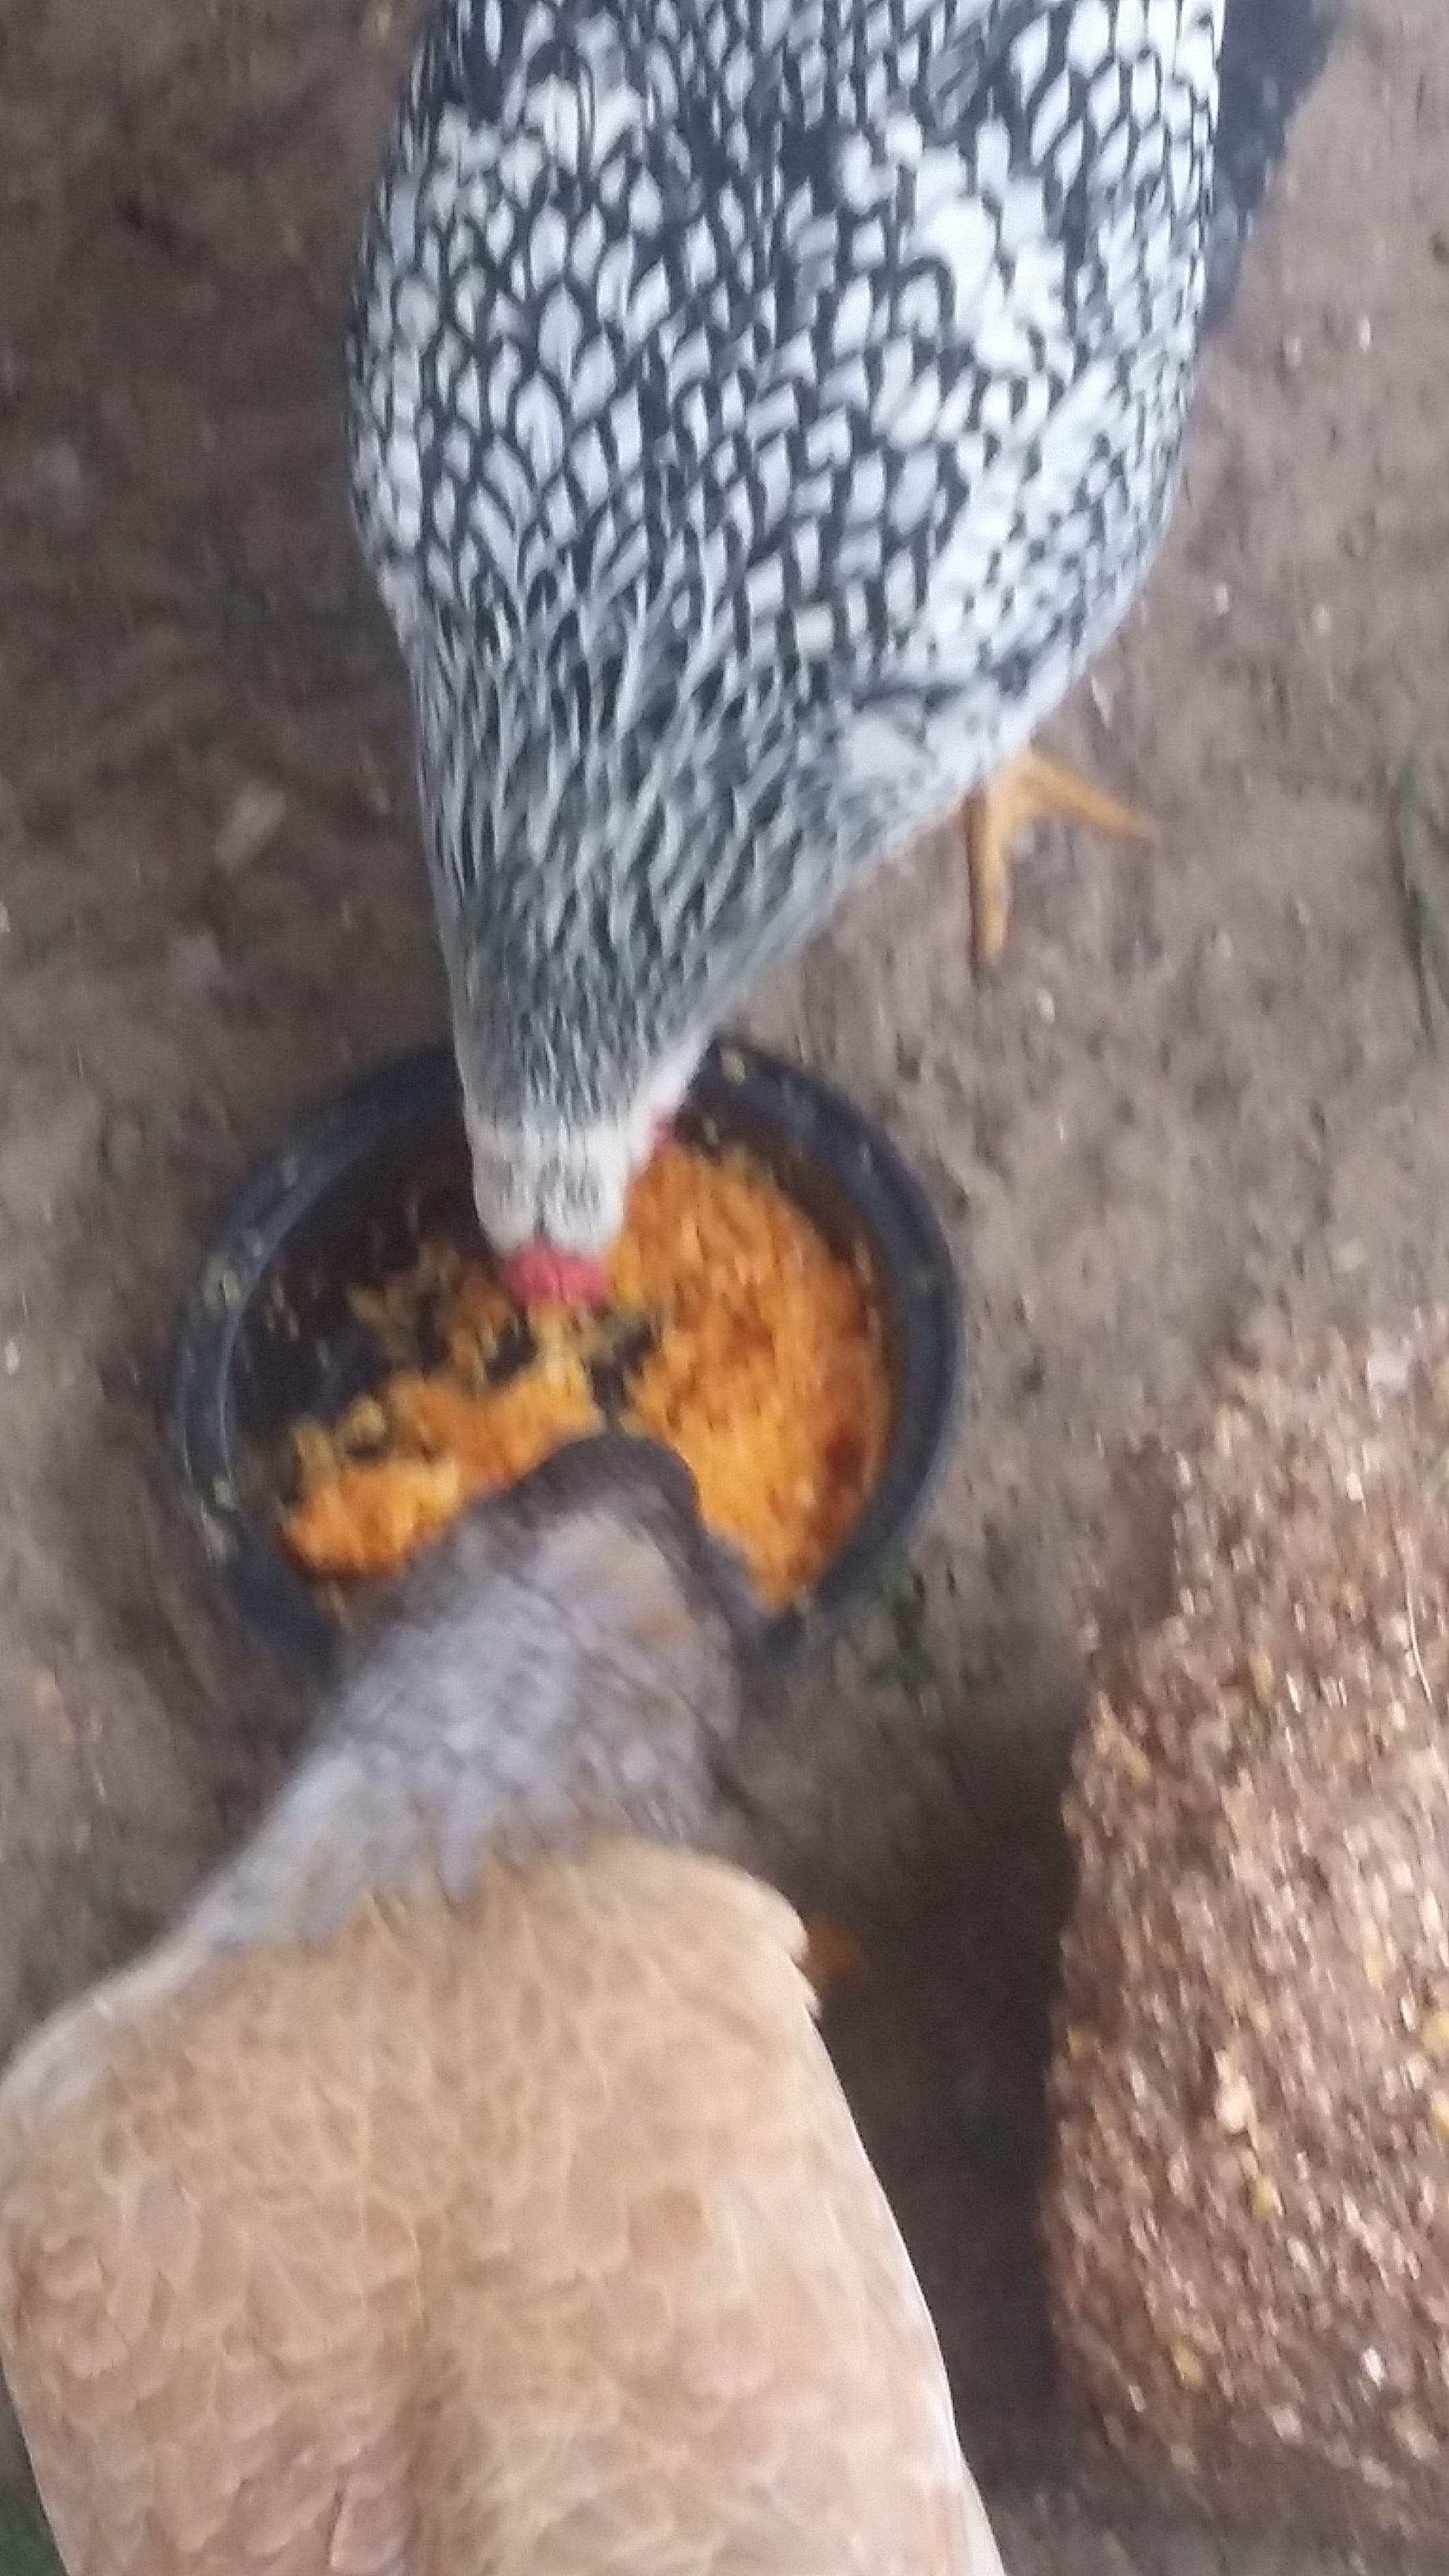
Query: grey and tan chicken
(462, 2189)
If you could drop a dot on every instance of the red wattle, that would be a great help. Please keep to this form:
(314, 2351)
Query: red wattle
(541, 1275)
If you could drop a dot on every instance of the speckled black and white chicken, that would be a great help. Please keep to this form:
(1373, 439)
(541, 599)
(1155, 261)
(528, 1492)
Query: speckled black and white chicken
(761, 412)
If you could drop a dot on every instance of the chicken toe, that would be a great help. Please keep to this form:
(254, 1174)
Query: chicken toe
(1028, 790)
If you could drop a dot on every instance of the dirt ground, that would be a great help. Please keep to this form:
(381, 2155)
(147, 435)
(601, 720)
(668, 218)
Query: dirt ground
(1199, 1086)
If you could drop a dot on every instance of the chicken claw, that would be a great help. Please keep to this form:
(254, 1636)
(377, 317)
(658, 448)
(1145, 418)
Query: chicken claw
(1028, 790)
(834, 1956)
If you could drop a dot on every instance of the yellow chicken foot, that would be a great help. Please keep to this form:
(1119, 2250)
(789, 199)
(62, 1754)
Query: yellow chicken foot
(834, 1955)
(1028, 790)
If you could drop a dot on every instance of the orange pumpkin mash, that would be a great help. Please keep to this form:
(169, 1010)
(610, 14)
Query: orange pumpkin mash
(764, 1369)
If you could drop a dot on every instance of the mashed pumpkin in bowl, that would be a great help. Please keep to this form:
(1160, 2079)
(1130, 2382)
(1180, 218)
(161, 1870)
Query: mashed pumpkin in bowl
(735, 1333)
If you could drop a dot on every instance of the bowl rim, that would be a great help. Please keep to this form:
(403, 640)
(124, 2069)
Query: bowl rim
(813, 1119)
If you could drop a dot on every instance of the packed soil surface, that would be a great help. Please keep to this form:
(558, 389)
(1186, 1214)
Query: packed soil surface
(1200, 1086)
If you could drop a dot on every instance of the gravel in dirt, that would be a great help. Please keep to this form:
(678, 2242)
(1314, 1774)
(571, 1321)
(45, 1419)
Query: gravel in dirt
(1248, 2220)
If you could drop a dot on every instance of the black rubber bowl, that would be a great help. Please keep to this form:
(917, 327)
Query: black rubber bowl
(269, 1334)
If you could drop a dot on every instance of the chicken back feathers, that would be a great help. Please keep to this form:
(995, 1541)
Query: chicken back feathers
(530, 2234)
(761, 412)
(527, 2230)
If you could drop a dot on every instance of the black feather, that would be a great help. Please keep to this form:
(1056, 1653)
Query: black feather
(1273, 54)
